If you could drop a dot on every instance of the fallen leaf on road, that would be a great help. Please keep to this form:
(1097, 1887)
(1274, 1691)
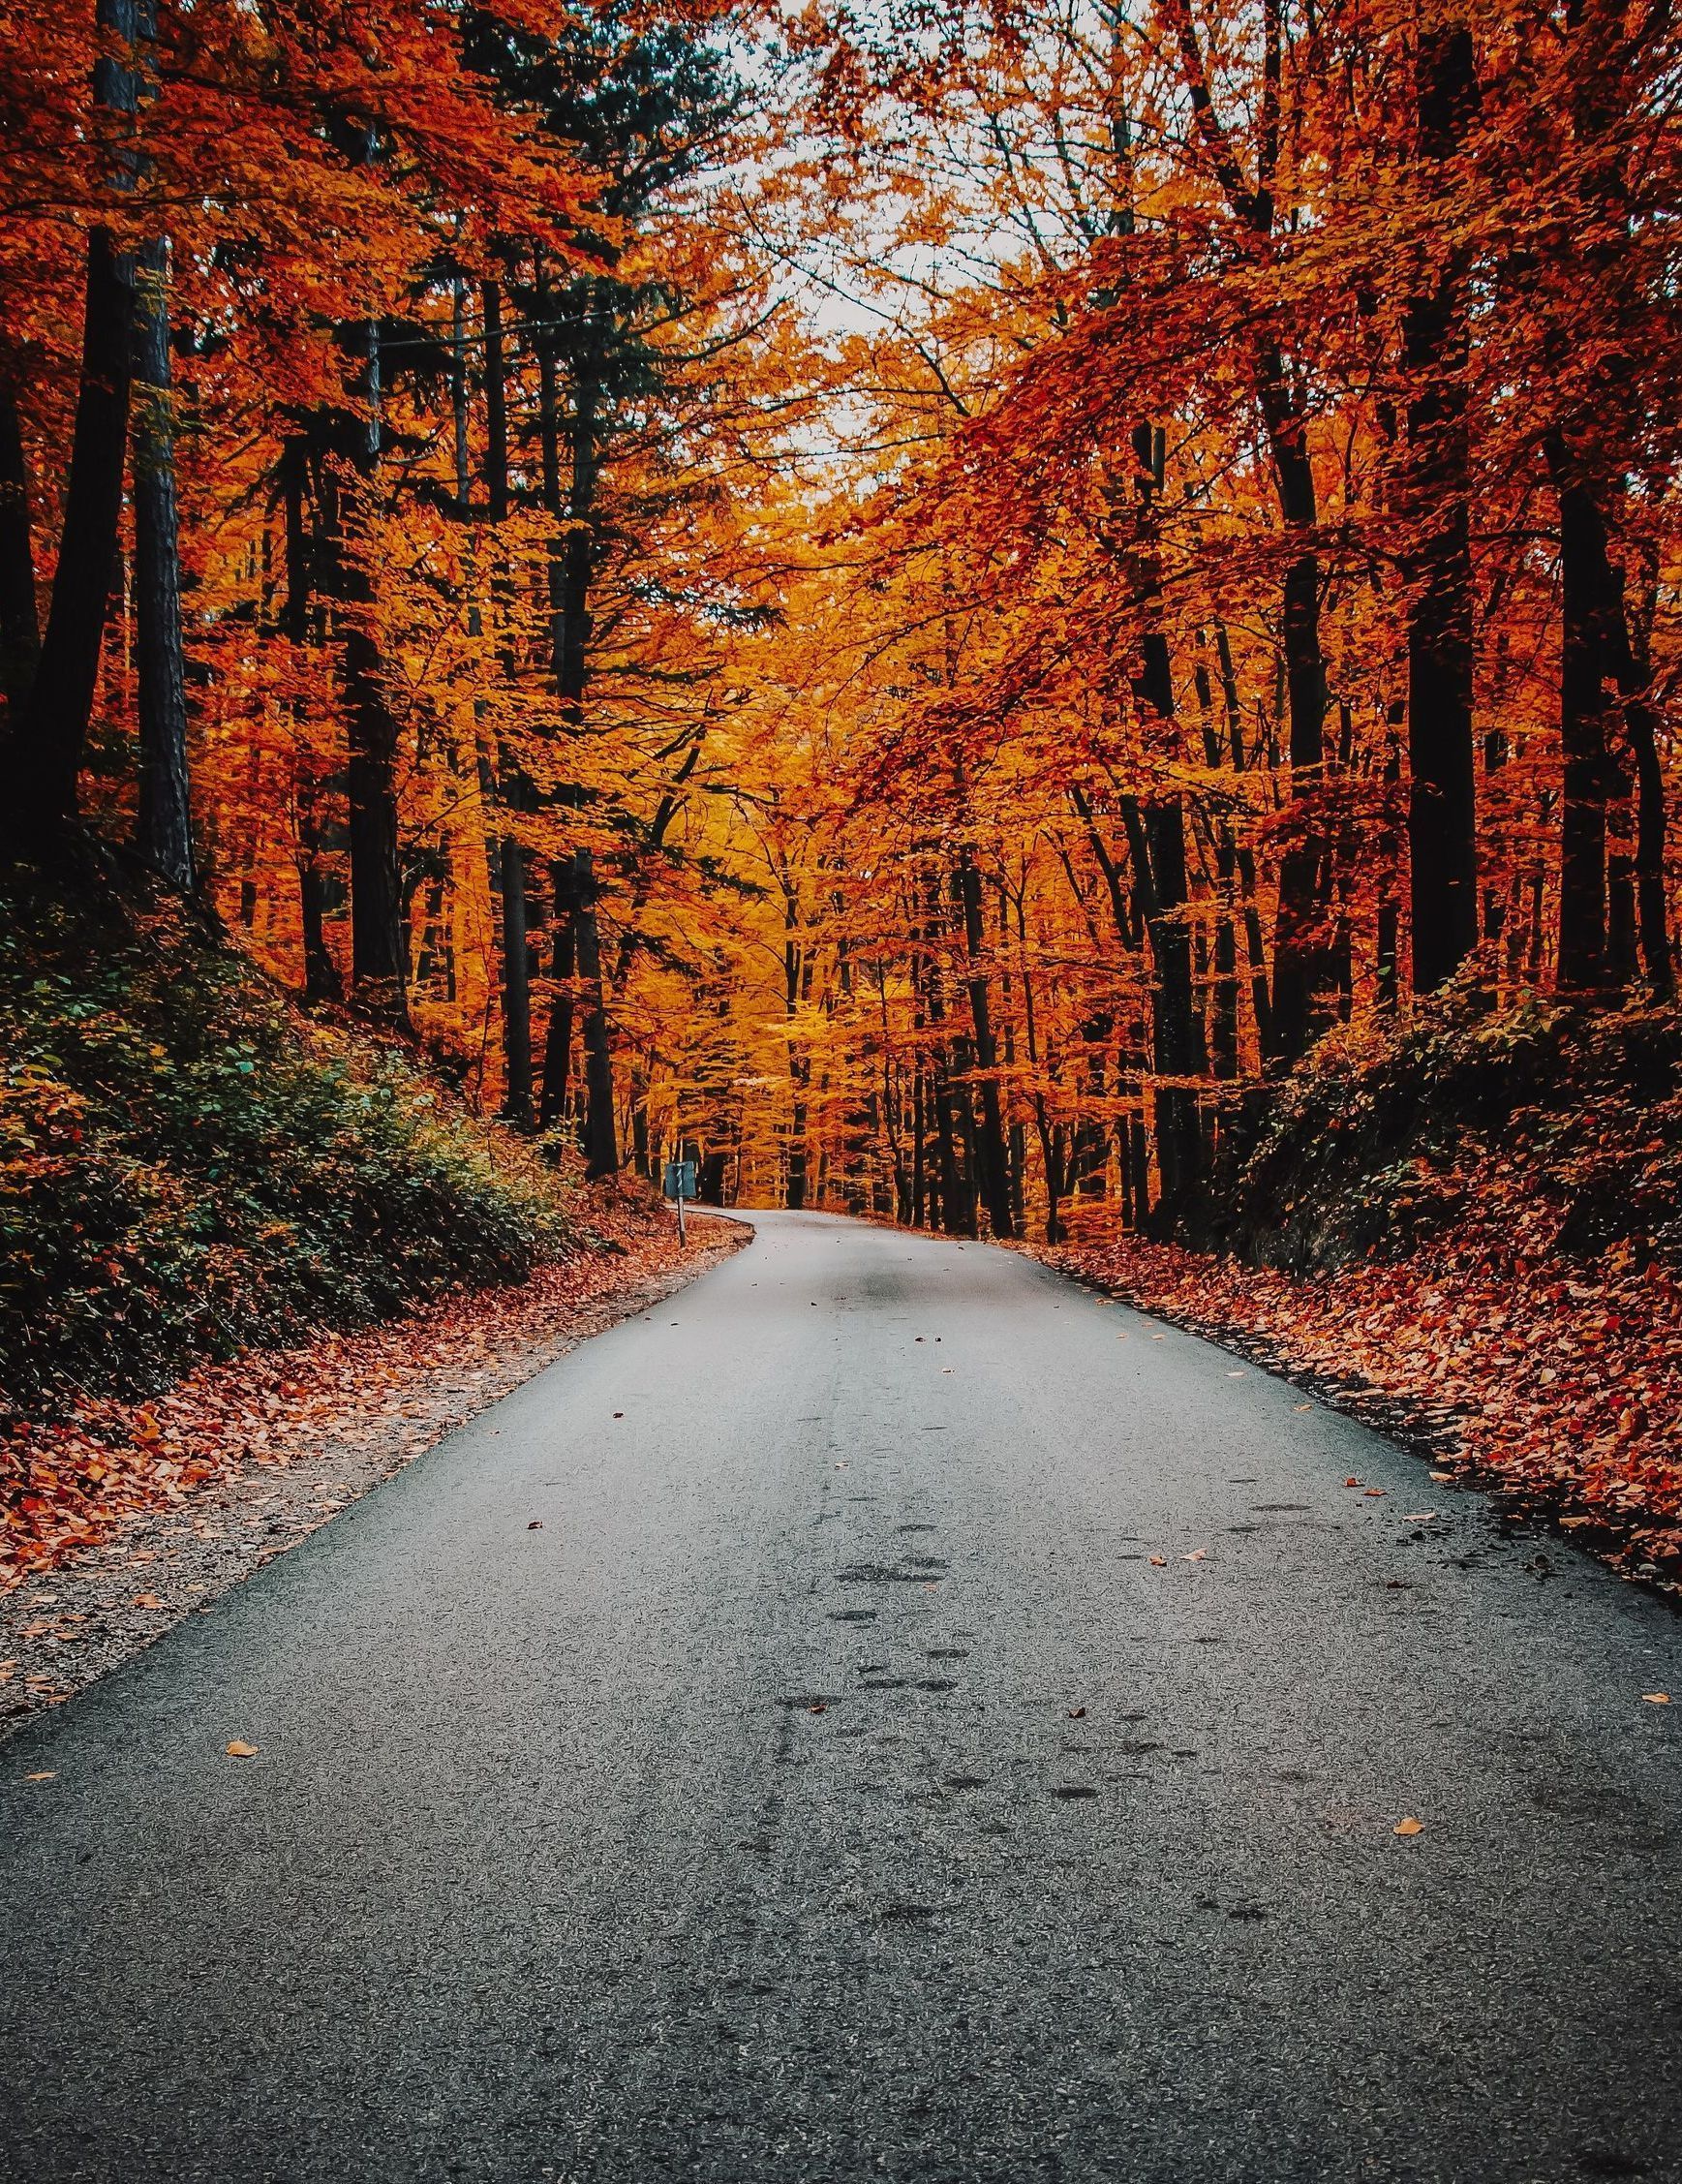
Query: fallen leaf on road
(536, 1525)
(1351, 1482)
(1409, 1826)
(1419, 1516)
(618, 1414)
(1304, 1406)
(1159, 1561)
(1656, 1698)
(46, 1775)
(147, 1600)
(1376, 1493)
(1077, 1713)
(818, 1707)
(1196, 1555)
(1443, 1478)
(238, 1751)
(1569, 1524)
(1238, 1375)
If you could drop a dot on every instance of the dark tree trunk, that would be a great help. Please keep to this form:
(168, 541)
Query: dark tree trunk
(571, 566)
(1442, 799)
(163, 833)
(50, 733)
(510, 785)
(516, 982)
(19, 623)
(600, 1127)
(994, 1174)
(1651, 909)
(322, 982)
(378, 966)
(558, 1045)
(496, 403)
(1156, 839)
(1584, 963)
(1301, 971)
(378, 953)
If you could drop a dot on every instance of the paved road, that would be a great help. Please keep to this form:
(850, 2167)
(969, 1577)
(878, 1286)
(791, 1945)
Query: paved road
(835, 1789)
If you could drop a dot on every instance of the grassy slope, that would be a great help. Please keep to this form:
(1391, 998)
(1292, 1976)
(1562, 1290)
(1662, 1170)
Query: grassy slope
(189, 1166)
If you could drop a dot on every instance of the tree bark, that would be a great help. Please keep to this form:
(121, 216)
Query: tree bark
(994, 1173)
(1295, 1012)
(600, 1127)
(163, 833)
(50, 733)
(1583, 963)
(19, 623)
(1442, 798)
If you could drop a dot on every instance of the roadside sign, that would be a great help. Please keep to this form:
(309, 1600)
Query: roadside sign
(681, 1185)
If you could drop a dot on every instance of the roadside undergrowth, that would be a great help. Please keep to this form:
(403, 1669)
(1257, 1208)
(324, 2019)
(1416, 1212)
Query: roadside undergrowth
(85, 1478)
(1473, 1238)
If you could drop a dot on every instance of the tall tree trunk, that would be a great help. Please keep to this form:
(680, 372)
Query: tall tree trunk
(495, 403)
(1584, 963)
(379, 949)
(994, 1174)
(1651, 909)
(558, 1044)
(1442, 798)
(19, 623)
(1156, 839)
(600, 1139)
(50, 734)
(164, 832)
(321, 980)
(1296, 1013)
(510, 785)
(572, 567)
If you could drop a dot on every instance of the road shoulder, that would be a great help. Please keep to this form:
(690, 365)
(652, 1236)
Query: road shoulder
(264, 1451)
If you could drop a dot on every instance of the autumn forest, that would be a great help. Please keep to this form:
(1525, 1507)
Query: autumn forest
(920, 603)
(1029, 653)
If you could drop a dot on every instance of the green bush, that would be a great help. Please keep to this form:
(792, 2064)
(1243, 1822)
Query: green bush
(1370, 1153)
(189, 1166)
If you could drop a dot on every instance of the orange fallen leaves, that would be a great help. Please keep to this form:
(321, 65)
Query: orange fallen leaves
(238, 1749)
(1409, 1827)
(1546, 1377)
(70, 1482)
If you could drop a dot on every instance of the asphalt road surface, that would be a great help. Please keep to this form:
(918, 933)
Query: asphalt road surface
(836, 1788)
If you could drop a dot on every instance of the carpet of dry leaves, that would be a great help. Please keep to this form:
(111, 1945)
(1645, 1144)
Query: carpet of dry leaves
(71, 1484)
(1551, 1381)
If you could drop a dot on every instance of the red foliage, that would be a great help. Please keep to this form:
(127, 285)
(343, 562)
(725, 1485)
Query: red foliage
(1555, 1384)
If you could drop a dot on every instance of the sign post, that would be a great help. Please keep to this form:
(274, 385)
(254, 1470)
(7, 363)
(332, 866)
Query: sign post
(680, 1185)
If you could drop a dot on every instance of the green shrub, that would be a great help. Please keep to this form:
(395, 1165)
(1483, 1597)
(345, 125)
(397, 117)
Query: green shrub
(1369, 1152)
(189, 1166)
